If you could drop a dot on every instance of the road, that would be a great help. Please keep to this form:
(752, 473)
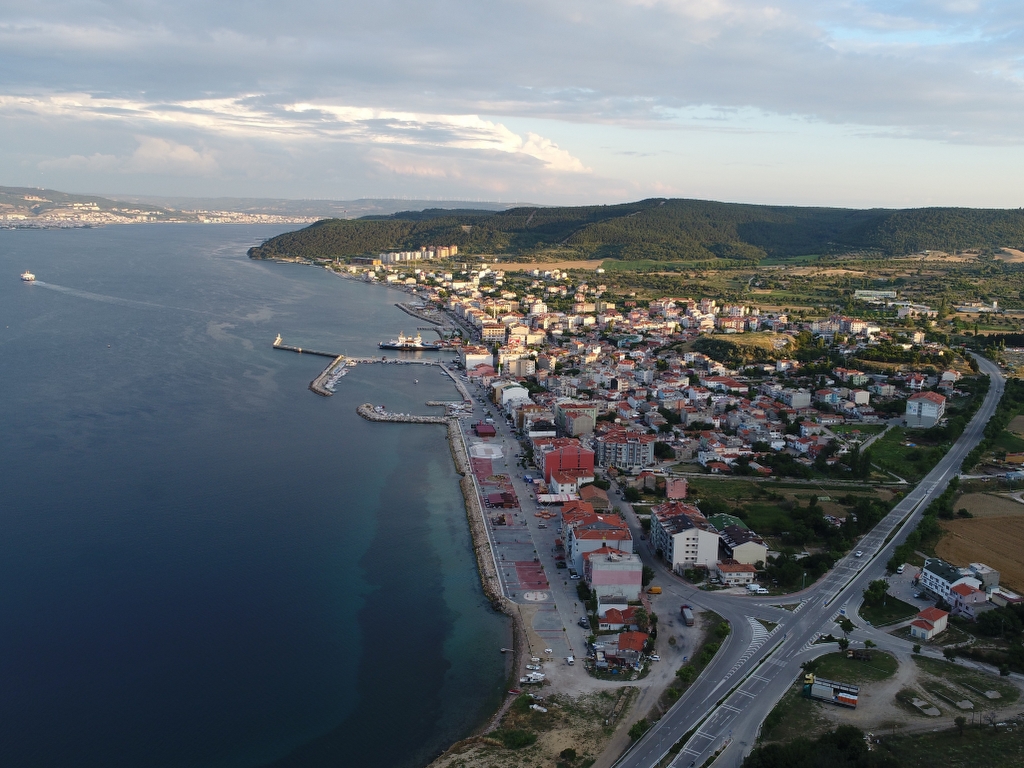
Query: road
(754, 669)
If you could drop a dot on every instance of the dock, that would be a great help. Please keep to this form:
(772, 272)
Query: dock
(323, 384)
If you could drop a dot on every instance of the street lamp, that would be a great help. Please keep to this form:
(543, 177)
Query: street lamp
(804, 579)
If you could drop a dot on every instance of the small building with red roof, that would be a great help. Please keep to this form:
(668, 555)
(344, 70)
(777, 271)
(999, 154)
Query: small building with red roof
(929, 623)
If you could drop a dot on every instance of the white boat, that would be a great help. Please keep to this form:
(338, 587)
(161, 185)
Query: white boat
(28, 277)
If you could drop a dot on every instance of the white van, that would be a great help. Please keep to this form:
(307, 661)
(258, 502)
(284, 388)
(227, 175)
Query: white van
(762, 591)
(753, 587)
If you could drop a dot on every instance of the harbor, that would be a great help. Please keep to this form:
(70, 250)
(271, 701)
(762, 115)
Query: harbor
(340, 365)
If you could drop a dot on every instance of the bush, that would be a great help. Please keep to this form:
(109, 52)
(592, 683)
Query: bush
(516, 738)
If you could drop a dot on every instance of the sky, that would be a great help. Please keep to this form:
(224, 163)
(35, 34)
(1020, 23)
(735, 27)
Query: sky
(858, 103)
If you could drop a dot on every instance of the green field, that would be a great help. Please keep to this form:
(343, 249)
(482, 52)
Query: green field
(911, 462)
(835, 666)
(894, 610)
(1008, 442)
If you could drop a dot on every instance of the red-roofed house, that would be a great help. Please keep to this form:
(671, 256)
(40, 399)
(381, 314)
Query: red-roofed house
(629, 649)
(615, 619)
(929, 623)
(965, 600)
(589, 532)
(925, 409)
(735, 574)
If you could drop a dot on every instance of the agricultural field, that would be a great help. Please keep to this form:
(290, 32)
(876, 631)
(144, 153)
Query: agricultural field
(989, 505)
(995, 541)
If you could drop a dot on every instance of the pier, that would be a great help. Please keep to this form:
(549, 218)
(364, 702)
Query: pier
(323, 384)
(370, 412)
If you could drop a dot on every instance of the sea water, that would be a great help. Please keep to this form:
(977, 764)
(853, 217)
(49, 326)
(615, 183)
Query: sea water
(201, 562)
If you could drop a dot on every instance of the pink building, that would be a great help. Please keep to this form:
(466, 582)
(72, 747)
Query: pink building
(614, 572)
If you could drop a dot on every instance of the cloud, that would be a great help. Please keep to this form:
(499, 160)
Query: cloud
(256, 116)
(152, 156)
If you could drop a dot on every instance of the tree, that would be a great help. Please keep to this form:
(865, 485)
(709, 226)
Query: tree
(846, 625)
(843, 643)
(642, 619)
(916, 648)
(949, 653)
(648, 572)
(639, 728)
(876, 592)
(870, 644)
(960, 722)
(632, 495)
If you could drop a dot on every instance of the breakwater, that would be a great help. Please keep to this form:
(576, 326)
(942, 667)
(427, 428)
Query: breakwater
(372, 412)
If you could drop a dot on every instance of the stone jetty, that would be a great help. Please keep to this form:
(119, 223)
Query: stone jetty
(371, 412)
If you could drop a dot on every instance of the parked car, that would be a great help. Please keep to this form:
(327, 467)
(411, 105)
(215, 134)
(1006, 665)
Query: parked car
(584, 622)
(533, 667)
(655, 657)
(858, 553)
(902, 568)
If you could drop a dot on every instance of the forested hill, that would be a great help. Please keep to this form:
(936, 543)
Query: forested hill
(660, 230)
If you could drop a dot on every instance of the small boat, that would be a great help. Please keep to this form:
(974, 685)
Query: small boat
(28, 277)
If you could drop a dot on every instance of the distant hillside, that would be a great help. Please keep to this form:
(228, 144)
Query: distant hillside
(340, 209)
(660, 230)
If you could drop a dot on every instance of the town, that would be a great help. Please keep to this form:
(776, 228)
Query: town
(742, 449)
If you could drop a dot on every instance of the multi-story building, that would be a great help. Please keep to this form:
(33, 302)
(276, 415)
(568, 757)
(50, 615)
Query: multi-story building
(625, 449)
(939, 577)
(683, 536)
(610, 571)
(925, 409)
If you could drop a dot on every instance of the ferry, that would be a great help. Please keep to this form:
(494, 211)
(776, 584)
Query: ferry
(409, 344)
(28, 277)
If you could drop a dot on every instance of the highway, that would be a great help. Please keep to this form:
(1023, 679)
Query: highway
(754, 668)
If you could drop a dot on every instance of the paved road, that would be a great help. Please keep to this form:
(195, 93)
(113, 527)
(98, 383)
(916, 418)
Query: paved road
(751, 672)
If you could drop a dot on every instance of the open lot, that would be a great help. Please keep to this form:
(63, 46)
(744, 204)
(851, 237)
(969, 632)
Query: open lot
(989, 505)
(995, 541)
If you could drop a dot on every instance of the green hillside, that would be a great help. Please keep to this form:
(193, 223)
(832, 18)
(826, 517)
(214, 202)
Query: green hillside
(660, 230)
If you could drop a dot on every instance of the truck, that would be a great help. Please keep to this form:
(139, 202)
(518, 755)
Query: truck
(687, 615)
(842, 694)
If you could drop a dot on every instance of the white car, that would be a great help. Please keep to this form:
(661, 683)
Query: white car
(858, 553)
(533, 667)
(655, 657)
(902, 568)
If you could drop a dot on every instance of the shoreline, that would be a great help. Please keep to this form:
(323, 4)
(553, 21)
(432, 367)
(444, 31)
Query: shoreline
(482, 550)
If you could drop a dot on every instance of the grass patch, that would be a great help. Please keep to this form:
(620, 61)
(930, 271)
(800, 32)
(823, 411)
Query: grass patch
(911, 462)
(977, 746)
(971, 680)
(769, 625)
(892, 611)
(794, 717)
(835, 666)
(1008, 442)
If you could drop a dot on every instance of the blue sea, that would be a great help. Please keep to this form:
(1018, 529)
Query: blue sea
(201, 562)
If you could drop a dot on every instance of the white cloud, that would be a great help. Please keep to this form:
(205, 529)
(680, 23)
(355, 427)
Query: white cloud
(253, 116)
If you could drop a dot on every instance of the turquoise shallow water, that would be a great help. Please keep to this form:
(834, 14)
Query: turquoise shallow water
(201, 562)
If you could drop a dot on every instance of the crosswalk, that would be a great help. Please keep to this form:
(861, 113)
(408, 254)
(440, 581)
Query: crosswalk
(760, 635)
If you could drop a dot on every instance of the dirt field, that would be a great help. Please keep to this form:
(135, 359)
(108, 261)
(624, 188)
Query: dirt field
(1011, 255)
(518, 266)
(1017, 425)
(995, 541)
(989, 505)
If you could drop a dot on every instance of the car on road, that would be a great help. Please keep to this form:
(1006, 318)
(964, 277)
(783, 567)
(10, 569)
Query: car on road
(570, 660)
(858, 553)
(584, 622)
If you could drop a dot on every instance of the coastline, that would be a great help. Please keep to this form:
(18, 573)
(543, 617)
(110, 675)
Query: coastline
(482, 549)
